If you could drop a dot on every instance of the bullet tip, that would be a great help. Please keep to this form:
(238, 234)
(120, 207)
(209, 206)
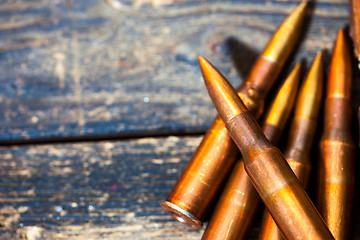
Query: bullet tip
(282, 104)
(309, 99)
(339, 83)
(223, 95)
(205, 66)
(318, 61)
(286, 35)
(202, 60)
(297, 67)
(302, 7)
(341, 33)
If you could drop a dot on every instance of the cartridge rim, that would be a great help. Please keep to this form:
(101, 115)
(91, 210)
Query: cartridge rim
(181, 214)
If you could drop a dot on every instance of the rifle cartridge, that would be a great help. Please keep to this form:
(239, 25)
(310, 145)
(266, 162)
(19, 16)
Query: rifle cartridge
(200, 181)
(301, 137)
(335, 187)
(239, 200)
(272, 177)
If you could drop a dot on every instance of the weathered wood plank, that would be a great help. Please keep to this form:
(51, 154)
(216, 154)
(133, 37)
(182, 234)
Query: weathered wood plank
(105, 190)
(96, 190)
(94, 70)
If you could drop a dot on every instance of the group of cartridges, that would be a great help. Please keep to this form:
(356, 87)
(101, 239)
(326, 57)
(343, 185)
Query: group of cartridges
(264, 172)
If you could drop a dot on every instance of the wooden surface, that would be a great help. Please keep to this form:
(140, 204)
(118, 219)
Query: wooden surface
(103, 190)
(92, 190)
(80, 70)
(94, 71)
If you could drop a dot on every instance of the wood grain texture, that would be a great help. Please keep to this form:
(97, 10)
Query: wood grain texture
(86, 69)
(92, 191)
(105, 190)
(72, 69)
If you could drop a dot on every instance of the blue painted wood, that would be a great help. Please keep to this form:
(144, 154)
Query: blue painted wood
(93, 70)
(93, 190)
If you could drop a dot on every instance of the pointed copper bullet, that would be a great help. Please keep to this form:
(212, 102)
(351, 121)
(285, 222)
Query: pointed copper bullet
(301, 137)
(355, 26)
(193, 194)
(239, 200)
(282, 106)
(335, 188)
(272, 177)
(288, 31)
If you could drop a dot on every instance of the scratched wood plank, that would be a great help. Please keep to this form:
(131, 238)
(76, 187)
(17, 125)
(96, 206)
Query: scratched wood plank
(83, 68)
(104, 190)
(98, 190)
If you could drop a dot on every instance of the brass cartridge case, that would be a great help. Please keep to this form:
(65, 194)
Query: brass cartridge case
(355, 26)
(335, 188)
(239, 200)
(272, 177)
(301, 136)
(200, 182)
